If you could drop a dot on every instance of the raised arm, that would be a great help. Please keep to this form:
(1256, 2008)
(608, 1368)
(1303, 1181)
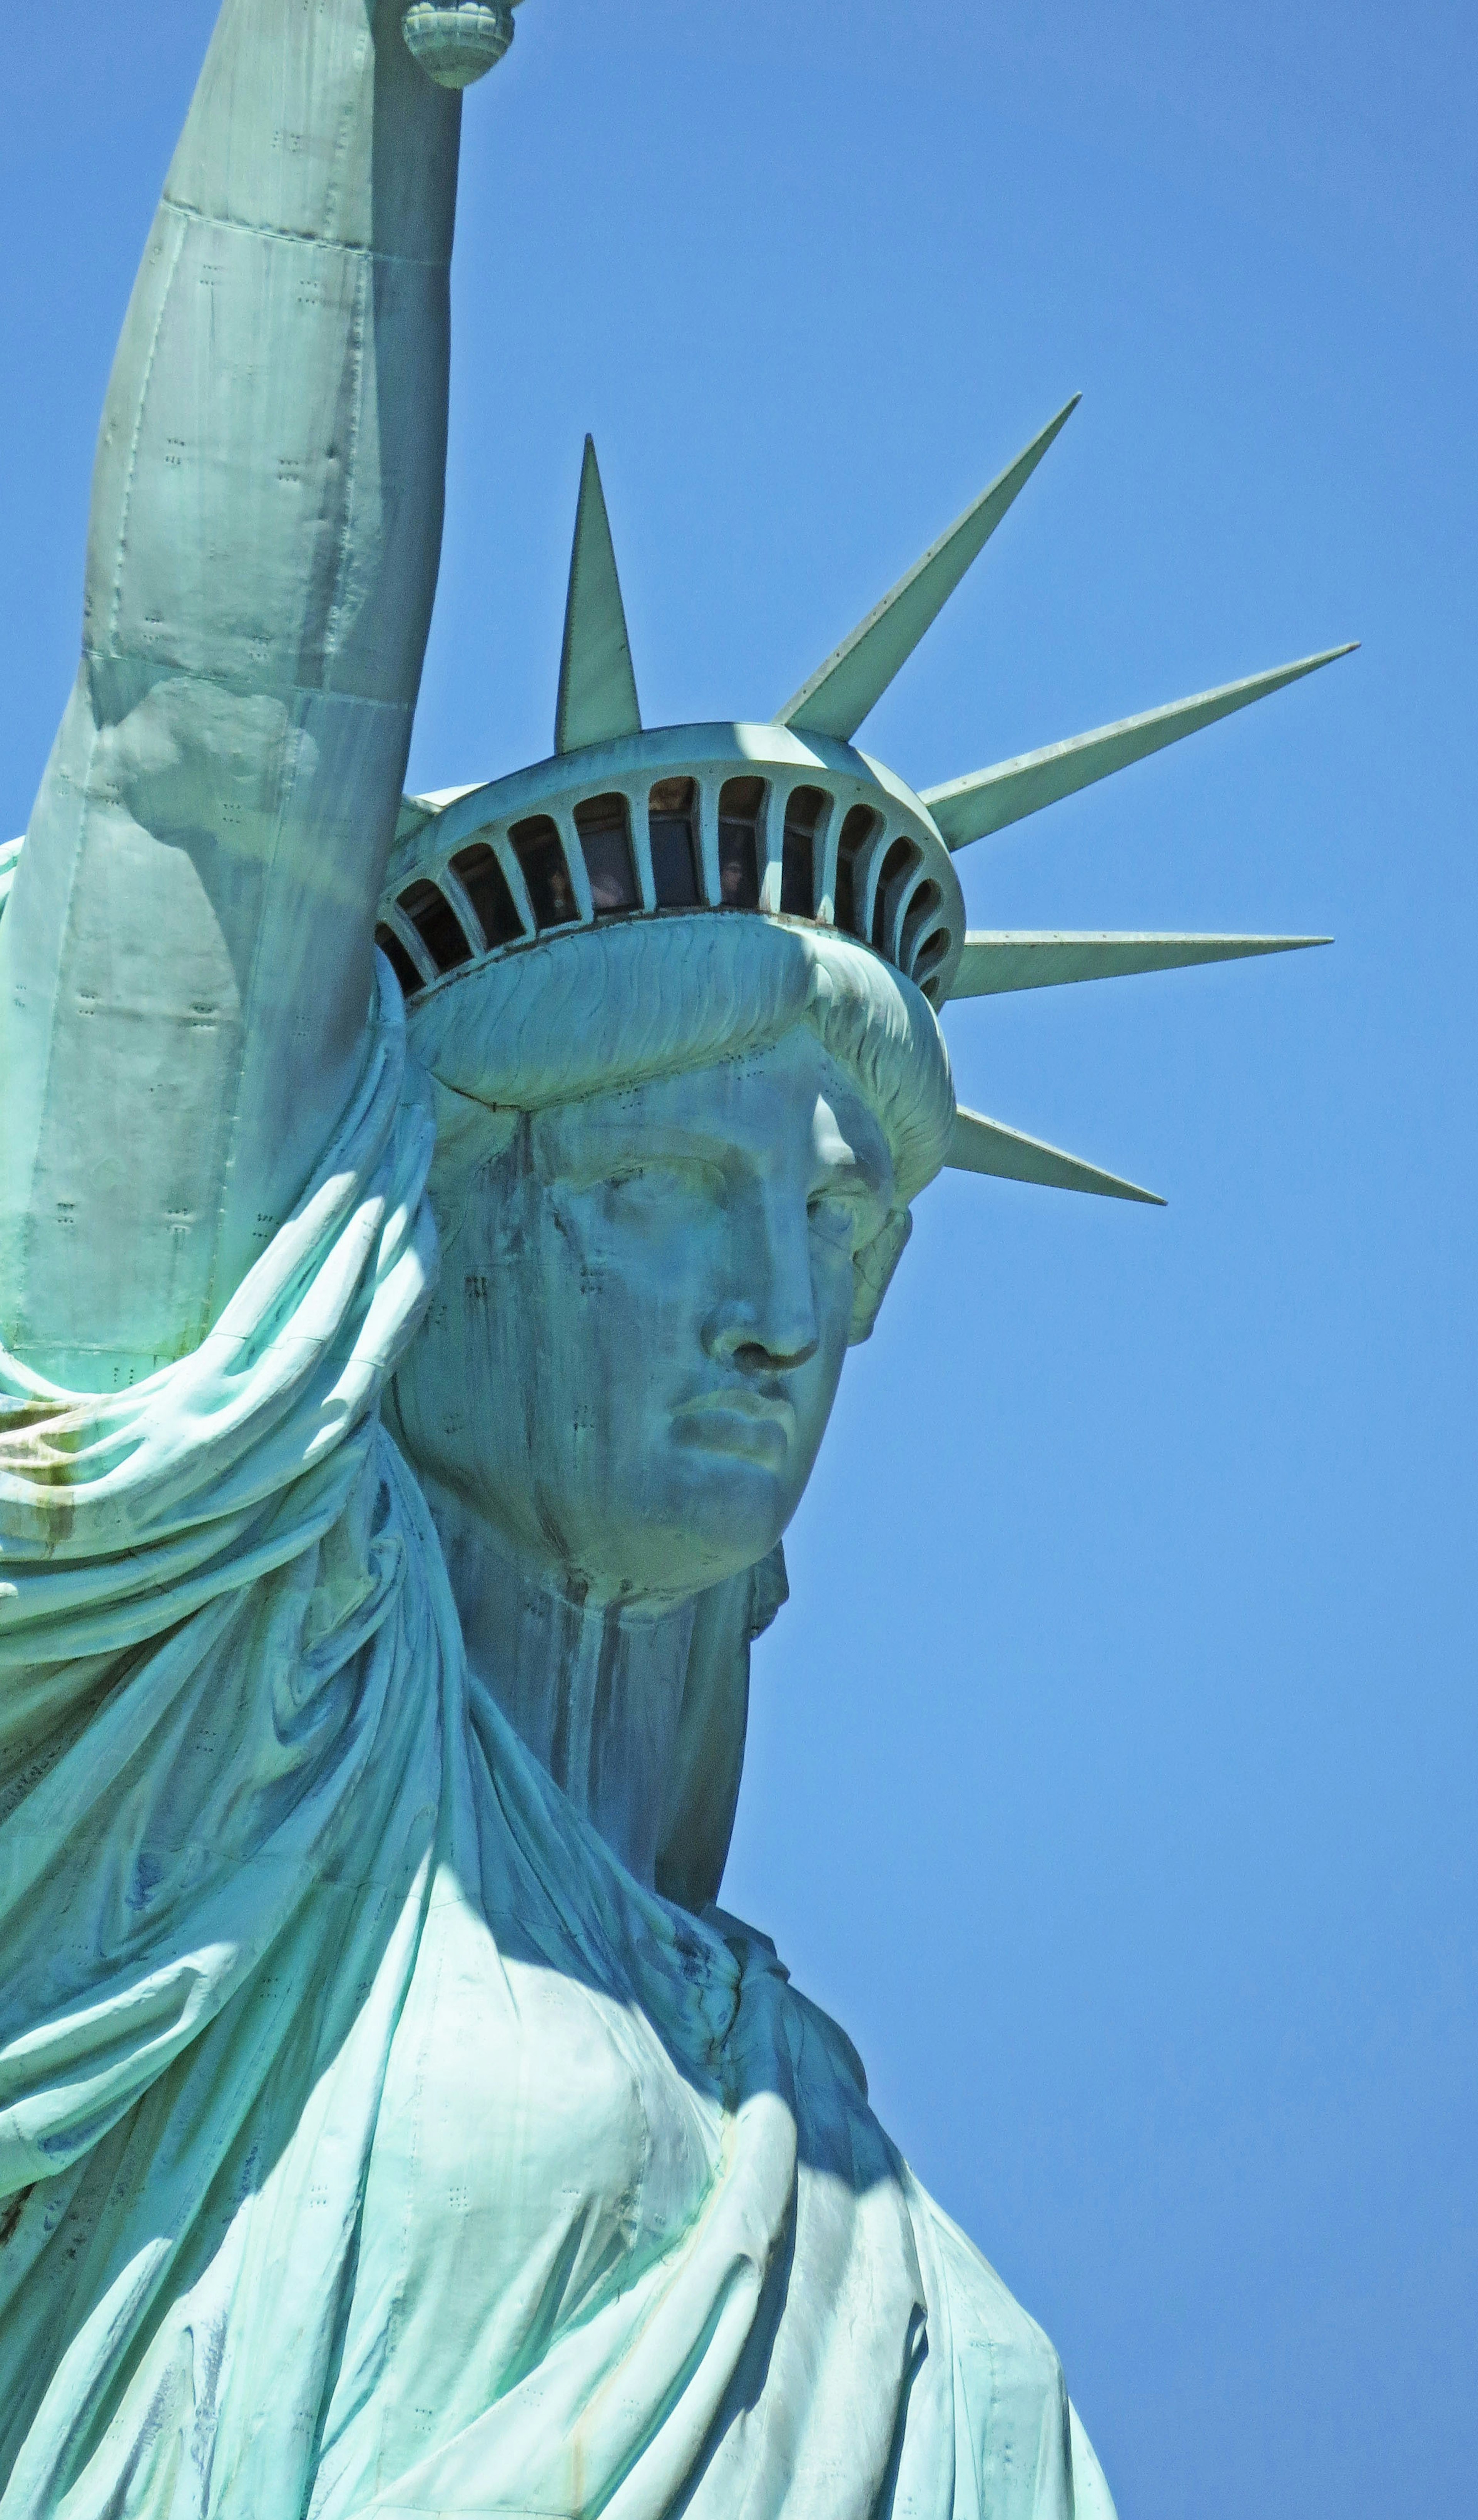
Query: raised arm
(185, 964)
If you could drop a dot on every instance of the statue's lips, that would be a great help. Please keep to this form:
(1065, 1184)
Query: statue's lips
(736, 1419)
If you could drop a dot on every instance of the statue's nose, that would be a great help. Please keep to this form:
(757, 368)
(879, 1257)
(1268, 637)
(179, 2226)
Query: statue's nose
(766, 1323)
(761, 1339)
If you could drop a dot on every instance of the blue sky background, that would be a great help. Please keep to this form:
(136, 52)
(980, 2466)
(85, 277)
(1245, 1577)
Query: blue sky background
(1113, 1770)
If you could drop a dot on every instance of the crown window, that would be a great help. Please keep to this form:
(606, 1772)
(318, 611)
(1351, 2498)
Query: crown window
(606, 839)
(673, 823)
(487, 886)
(856, 832)
(741, 806)
(437, 923)
(921, 908)
(540, 853)
(399, 961)
(805, 813)
(934, 952)
(902, 857)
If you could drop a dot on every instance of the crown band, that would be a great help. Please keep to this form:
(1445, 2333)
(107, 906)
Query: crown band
(682, 819)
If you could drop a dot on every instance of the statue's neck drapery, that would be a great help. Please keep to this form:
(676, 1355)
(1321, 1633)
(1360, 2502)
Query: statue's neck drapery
(593, 1688)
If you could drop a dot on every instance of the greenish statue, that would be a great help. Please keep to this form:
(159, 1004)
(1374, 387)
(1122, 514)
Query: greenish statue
(411, 1362)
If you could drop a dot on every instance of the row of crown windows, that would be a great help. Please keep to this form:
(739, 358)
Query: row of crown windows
(604, 828)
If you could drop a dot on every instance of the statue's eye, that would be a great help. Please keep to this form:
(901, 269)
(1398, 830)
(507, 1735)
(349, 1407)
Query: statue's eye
(834, 1219)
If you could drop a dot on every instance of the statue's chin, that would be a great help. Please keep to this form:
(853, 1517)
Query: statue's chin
(668, 1539)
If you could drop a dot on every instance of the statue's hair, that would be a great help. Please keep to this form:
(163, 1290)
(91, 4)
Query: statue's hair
(589, 1011)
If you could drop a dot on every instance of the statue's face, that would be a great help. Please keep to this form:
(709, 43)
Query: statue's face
(642, 1317)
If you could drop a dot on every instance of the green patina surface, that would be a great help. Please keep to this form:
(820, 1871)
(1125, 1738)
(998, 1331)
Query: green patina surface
(409, 1370)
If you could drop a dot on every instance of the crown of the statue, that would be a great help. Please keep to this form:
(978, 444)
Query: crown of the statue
(786, 821)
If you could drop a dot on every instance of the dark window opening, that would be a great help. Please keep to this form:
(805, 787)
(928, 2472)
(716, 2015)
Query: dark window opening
(437, 923)
(487, 886)
(921, 908)
(856, 832)
(901, 856)
(538, 848)
(934, 952)
(797, 878)
(741, 806)
(673, 821)
(399, 960)
(606, 839)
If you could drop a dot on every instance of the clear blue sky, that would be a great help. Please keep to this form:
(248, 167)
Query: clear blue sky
(1112, 1772)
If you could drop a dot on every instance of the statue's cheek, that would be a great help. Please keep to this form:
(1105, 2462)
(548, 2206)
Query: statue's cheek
(833, 1272)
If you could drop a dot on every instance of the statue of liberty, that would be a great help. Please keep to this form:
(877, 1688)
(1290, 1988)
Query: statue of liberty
(412, 1360)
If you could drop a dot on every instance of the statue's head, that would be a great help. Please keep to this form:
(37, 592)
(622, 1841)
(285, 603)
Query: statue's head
(656, 1257)
(679, 995)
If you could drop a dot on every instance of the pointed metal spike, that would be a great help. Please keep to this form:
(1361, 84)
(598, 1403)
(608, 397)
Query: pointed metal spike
(981, 1146)
(971, 809)
(853, 679)
(997, 960)
(598, 685)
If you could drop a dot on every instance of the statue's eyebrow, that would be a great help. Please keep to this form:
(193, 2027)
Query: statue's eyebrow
(599, 1147)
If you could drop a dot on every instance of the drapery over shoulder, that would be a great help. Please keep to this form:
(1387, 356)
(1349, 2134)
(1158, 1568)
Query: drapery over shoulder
(223, 1673)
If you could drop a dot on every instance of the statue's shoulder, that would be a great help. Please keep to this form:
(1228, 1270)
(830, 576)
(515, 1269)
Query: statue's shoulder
(989, 2379)
(984, 2314)
(1010, 2389)
(831, 2092)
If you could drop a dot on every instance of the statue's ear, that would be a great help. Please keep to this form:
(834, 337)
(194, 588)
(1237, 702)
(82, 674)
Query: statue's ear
(873, 1272)
(708, 1756)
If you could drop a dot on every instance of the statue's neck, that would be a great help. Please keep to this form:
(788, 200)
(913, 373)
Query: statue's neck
(595, 1690)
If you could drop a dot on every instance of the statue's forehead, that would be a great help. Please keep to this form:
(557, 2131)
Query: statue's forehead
(790, 1097)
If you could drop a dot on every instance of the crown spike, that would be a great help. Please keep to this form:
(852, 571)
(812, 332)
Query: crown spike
(972, 808)
(981, 1146)
(849, 684)
(995, 961)
(597, 684)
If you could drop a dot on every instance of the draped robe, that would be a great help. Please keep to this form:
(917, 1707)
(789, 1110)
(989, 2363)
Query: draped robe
(370, 2143)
